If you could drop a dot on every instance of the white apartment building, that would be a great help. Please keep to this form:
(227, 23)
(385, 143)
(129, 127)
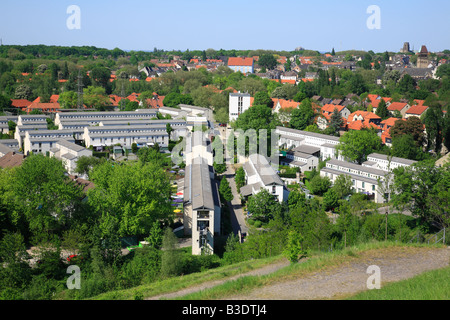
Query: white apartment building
(292, 137)
(238, 103)
(364, 179)
(259, 174)
(42, 141)
(20, 132)
(201, 217)
(69, 153)
(381, 161)
(31, 119)
(105, 115)
(304, 157)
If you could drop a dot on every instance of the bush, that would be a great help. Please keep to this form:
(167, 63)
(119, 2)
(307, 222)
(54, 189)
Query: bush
(257, 224)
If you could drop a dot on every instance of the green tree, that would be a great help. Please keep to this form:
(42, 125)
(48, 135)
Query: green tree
(267, 61)
(171, 260)
(262, 205)
(130, 198)
(382, 110)
(85, 164)
(302, 116)
(336, 121)
(319, 185)
(404, 146)
(356, 145)
(44, 195)
(294, 248)
(262, 98)
(240, 178)
(342, 185)
(330, 199)
(23, 91)
(225, 190)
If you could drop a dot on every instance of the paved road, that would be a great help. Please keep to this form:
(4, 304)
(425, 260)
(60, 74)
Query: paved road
(236, 212)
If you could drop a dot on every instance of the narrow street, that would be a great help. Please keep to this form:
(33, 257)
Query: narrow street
(236, 212)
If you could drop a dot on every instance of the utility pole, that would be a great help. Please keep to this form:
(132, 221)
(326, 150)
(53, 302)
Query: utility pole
(80, 91)
(122, 95)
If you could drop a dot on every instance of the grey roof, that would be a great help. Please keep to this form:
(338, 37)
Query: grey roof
(90, 114)
(358, 167)
(9, 142)
(394, 159)
(49, 139)
(50, 132)
(352, 175)
(248, 189)
(126, 134)
(307, 133)
(240, 94)
(69, 156)
(306, 149)
(302, 155)
(265, 170)
(193, 107)
(72, 146)
(198, 189)
(4, 149)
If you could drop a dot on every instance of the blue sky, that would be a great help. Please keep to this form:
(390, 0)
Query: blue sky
(245, 24)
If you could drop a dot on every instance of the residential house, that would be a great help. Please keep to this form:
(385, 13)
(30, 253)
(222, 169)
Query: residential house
(259, 174)
(364, 179)
(304, 157)
(244, 65)
(327, 110)
(416, 111)
(291, 137)
(69, 153)
(42, 141)
(401, 107)
(383, 162)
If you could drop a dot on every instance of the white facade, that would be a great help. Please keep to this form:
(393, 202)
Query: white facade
(238, 103)
(41, 141)
(381, 161)
(69, 153)
(291, 137)
(105, 115)
(364, 179)
(259, 174)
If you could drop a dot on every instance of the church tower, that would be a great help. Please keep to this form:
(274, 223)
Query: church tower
(422, 58)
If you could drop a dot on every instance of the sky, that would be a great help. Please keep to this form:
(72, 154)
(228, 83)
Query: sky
(241, 25)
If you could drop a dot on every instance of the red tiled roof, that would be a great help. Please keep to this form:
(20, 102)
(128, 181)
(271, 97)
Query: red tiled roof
(330, 108)
(20, 103)
(285, 104)
(365, 114)
(396, 106)
(11, 159)
(238, 61)
(417, 109)
(54, 98)
(46, 107)
(390, 122)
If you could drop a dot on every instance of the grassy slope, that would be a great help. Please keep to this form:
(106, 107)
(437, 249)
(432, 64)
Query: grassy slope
(316, 262)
